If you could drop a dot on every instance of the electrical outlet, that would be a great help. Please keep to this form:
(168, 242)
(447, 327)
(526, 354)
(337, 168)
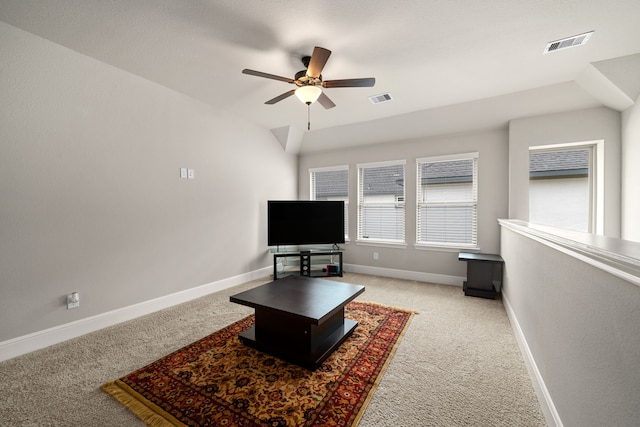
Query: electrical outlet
(191, 173)
(375, 255)
(183, 172)
(73, 300)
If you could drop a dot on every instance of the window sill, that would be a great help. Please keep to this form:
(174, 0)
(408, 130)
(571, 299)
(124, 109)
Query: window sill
(423, 247)
(381, 244)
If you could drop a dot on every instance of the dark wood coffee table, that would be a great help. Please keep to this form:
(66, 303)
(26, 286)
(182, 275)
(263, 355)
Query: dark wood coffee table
(299, 319)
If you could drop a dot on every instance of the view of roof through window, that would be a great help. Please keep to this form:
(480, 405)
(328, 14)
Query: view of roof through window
(564, 163)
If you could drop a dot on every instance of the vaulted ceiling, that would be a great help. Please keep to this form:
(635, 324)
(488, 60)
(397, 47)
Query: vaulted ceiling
(449, 66)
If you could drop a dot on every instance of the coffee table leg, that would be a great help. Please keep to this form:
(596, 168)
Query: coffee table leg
(299, 342)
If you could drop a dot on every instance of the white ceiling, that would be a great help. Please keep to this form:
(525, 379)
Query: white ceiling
(450, 66)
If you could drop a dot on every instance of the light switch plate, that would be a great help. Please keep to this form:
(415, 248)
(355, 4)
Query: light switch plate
(191, 173)
(183, 172)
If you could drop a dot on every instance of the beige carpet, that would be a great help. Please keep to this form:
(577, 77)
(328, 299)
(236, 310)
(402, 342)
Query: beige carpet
(458, 364)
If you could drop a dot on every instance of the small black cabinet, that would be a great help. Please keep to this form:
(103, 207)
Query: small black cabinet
(484, 274)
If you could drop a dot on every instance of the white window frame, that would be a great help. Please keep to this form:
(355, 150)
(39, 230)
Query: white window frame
(395, 202)
(423, 204)
(596, 177)
(312, 191)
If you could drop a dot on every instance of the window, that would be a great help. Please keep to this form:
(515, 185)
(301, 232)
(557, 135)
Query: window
(447, 201)
(332, 183)
(381, 202)
(562, 186)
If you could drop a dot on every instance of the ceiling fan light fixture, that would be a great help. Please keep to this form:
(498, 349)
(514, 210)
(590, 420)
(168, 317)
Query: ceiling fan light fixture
(308, 94)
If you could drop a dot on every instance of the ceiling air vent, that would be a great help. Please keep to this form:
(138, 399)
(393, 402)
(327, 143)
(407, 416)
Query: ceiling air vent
(573, 41)
(377, 99)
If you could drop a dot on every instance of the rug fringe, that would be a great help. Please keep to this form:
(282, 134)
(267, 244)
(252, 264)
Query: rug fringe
(123, 394)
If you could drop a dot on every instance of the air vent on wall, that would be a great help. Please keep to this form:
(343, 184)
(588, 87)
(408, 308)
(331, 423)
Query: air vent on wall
(573, 41)
(377, 99)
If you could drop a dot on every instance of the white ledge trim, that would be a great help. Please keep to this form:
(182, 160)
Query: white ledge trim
(618, 257)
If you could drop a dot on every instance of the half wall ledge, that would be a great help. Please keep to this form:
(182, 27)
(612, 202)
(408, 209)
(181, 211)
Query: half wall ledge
(618, 257)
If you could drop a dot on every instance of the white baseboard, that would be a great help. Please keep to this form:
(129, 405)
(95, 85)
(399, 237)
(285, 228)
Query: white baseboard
(544, 398)
(405, 274)
(41, 339)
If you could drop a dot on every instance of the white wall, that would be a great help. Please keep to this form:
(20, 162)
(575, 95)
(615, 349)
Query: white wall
(90, 194)
(492, 195)
(576, 126)
(631, 173)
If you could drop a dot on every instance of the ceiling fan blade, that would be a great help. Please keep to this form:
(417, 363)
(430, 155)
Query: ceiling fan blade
(325, 101)
(365, 82)
(318, 60)
(266, 75)
(281, 97)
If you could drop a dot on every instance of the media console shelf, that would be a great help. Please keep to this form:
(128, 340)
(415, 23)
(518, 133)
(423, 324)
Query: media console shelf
(309, 263)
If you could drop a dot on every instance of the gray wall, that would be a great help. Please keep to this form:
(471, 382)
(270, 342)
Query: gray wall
(575, 126)
(492, 196)
(631, 173)
(90, 194)
(581, 325)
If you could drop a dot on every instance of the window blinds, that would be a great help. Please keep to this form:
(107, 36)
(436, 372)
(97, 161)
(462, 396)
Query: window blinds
(447, 201)
(381, 202)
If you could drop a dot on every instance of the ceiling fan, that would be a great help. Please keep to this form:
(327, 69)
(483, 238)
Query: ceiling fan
(309, 81)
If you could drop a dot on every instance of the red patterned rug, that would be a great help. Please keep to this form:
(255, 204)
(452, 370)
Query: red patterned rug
(217, 381)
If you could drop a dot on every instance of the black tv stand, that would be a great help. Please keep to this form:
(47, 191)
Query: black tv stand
(320, 262)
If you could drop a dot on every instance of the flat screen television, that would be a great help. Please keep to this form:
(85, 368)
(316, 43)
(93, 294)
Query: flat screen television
(304, 222)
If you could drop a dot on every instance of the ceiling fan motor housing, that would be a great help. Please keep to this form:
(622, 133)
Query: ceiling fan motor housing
(301, 79)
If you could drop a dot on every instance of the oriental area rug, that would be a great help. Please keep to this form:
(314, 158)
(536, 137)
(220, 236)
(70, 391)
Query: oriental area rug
(217, 381)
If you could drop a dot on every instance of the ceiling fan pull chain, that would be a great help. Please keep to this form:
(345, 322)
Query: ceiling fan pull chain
(309, 116)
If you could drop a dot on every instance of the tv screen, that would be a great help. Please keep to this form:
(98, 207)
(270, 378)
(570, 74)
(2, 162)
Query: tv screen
(303, 222)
